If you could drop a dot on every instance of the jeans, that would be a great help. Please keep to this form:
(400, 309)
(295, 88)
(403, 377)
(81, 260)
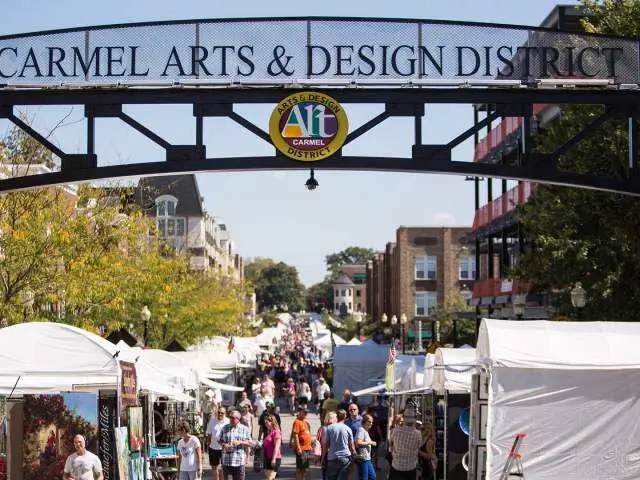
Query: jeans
(338, 469)
(366, 470)
(190, 475)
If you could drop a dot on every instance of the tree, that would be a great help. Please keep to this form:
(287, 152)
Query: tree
(253, 268)
(348, 256)
(583, 235)
(279, 288)
(89, 260)
(447, 316)
(319, 296)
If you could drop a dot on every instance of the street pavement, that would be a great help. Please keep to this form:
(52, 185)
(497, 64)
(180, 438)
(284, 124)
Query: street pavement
(288, 468)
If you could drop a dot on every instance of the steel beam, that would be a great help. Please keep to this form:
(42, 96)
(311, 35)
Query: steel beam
(36, 135)
(132, 122)
(337, 163)
(257, 131)
(582, 134)
(203, 95)
(362, 129)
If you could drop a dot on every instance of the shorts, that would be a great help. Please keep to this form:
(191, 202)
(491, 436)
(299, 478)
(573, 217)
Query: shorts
(214, 457)
(267, 464)
(302, 460)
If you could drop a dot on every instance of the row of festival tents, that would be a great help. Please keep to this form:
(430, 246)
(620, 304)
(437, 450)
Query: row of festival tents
(570, 387)
(42, 357)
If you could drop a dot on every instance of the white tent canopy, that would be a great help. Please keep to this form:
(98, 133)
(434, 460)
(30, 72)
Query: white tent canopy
(323, 341)
(54, 357)
(151, 377)
(355, 365)
(429, 363)
(176, 365)
(268, 334)
(572, 387)
(354, 341)
(453, 369)
(560, 344)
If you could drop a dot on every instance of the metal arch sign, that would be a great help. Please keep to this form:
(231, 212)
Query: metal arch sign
(245, 50)
(308, 126)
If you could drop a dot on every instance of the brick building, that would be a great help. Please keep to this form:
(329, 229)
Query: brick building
(424, 267)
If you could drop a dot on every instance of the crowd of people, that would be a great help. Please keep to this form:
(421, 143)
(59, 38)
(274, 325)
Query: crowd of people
(351, 443)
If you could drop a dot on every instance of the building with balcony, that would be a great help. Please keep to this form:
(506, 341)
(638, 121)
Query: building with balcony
(424, 267)
(178, 208)
(496, 233)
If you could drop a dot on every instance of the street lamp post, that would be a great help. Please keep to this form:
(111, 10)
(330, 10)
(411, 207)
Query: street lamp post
(578, 298)
(145, 316)
(394, 322)
(403, 324)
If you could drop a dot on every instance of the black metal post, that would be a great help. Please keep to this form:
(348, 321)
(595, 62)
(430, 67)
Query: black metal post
(145, 334)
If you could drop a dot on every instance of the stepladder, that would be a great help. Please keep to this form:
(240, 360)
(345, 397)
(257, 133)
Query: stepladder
(513, 466)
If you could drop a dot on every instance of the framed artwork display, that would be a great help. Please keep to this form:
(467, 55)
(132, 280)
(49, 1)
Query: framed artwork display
(136, 433)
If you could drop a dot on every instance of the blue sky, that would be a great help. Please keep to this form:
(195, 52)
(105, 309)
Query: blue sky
(271, 214)
(83, 404)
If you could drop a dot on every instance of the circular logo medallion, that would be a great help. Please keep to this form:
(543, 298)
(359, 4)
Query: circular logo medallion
(308, 126)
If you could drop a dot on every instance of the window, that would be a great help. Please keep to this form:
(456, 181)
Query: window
(467, 267)
(426, 268)
(349, 306)
(425, 303)
(171, 227)
(337, 307)
(358, 293)
(166, 207)
(343, 294)
(168, 224)
(337, 294)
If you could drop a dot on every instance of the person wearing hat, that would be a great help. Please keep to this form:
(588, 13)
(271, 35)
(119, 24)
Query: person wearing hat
(269, 410)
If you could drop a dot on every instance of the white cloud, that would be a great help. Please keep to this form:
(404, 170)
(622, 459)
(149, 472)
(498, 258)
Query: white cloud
(443, 219)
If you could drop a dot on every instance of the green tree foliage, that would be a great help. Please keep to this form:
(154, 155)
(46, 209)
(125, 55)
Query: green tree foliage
(253, 268)
(348, 256)
(447, 314)
(614, 17)
(319, 296)
(279, 287)
(79, 259)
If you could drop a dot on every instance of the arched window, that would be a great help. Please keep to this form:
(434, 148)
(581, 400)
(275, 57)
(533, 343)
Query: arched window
(168, 224)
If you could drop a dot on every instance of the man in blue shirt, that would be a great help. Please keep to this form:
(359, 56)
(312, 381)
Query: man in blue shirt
(338, 448)
(354, 422)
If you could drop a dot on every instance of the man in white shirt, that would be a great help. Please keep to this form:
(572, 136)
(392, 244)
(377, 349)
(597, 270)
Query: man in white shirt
(321, 389)
(82, 465)
(214, 427)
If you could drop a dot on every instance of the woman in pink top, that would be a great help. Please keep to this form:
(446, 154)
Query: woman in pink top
(271, 448)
